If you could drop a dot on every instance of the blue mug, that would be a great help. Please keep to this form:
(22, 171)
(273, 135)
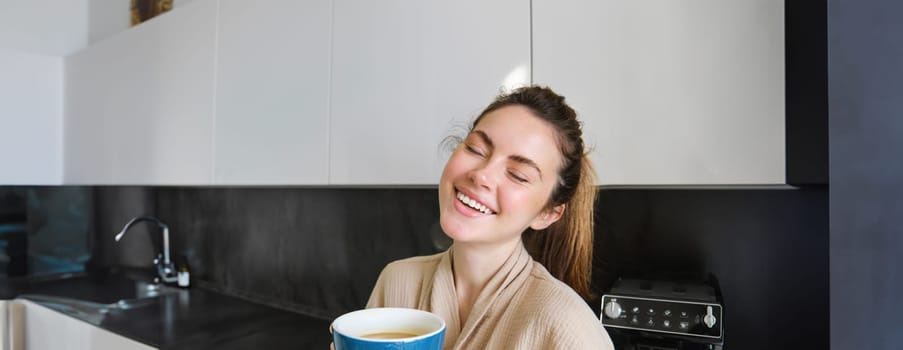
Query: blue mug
(388, 328)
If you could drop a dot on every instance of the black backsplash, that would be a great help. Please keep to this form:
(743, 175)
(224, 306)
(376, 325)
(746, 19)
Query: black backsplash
(43, 229)
(315, 251)
(319, 250)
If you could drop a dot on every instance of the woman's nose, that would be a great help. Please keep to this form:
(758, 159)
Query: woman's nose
(482, 176)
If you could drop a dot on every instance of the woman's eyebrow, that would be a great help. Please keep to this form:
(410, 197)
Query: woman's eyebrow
(485, 138)
(515, 157)
(526, 161)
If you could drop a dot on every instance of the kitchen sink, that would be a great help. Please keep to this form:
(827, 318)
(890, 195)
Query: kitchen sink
(91, 297)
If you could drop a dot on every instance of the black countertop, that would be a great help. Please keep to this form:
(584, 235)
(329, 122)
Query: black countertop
(191, 318)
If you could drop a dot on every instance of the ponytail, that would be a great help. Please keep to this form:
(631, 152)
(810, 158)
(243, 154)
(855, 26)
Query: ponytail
(565, 248)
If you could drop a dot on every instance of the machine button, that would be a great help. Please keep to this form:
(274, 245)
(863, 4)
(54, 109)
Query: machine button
(667, 313)
(684, 325)
(650, 312)
(666, 323)
(709, 318)
(613, 309)
(634, 320)
(650, 322)
(636, 309)
(683, 314)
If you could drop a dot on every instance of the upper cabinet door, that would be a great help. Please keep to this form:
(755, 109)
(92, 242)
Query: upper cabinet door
(139, 105)
(272, 96)
(407, 74)
(671, 92)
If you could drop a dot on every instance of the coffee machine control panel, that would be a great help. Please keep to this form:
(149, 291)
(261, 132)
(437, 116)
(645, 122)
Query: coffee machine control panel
(687, 318)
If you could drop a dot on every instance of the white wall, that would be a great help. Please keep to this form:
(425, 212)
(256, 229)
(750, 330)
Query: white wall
(106, 18)
(31, 99)
(34, 36)
(52, 27)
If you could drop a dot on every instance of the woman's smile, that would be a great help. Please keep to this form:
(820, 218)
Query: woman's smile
(470, 205)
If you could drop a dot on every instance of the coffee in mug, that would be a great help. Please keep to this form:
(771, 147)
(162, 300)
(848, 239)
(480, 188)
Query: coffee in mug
(388, 328)
(390, 335)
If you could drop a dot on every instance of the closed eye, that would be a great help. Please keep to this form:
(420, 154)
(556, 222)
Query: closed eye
(517, 177)
(473, 150)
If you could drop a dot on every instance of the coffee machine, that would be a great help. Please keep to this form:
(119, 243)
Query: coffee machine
(658, 314)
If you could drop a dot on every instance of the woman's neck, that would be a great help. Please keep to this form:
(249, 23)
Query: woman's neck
(473, 265)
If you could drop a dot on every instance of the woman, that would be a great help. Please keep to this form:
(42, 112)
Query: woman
(518, 185)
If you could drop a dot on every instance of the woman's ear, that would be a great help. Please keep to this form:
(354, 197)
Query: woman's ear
(547, 217)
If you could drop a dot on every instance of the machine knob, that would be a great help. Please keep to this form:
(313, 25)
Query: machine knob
(709, 318)
(613, 309)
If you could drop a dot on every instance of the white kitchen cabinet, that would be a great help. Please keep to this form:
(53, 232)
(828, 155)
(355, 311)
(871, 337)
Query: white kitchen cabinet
(139, 105)
(4, 325)
(108, 18)
(406, 74)
(32, 326)
(31, 118)
(671, 92)
(272, 95)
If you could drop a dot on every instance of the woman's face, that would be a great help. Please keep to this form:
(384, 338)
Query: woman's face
(499, 180)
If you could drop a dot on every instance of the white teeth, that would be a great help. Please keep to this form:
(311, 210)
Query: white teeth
(473, 203)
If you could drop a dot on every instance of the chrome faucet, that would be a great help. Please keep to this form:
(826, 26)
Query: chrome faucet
(165, 267)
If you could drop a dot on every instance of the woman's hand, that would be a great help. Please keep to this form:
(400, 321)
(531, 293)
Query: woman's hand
(331, 344)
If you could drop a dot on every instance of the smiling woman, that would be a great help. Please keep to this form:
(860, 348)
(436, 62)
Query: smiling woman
(518, 187)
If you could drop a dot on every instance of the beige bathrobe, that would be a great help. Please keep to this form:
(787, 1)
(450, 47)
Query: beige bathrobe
(521, 307)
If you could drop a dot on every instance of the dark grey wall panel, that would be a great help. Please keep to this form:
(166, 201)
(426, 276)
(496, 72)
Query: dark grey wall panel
(316, 251)
(113, 207)
(866, 135)
(806, 91)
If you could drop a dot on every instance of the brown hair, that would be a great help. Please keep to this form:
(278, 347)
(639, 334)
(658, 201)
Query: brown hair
(565, 247)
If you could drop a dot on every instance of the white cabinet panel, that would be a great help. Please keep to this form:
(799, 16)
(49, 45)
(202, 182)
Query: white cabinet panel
(5, 325)
(272, 97)
(37, 322)
(671, 92)
(108, 18)
(31, 119)
(405, 74)
(139, 106)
